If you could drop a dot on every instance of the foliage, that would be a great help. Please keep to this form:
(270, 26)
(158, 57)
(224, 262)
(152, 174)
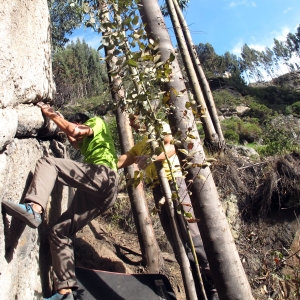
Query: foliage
(64, 19)
(253, 65)
(78, 73)
(260, 112)
(183, 4)
(224, 98)
(296, 108)
(112, 124)
(231, 136)
(237, 130)
(278, 140)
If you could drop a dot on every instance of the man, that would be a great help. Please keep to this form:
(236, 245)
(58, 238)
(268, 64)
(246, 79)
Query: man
(140, 154)
(96, 181)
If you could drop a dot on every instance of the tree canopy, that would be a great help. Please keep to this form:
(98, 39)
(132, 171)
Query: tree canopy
(78, 72)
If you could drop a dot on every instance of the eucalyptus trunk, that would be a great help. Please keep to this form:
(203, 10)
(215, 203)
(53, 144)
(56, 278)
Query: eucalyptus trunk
(211, 137)
(225, 264)
(187, 276)
(200, 73)
(151, 253)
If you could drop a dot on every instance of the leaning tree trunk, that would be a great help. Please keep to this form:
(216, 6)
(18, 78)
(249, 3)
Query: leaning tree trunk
(201, 76)
(151, 253)
(227, 270)
(211, 136)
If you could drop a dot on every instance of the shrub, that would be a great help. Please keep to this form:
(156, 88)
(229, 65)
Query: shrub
(231, 135)
(278, 140)
(249, 132)
(296, 108)
(260, 111)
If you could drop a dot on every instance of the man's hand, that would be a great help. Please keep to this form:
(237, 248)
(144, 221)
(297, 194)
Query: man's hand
(48, 111)
(143, 161)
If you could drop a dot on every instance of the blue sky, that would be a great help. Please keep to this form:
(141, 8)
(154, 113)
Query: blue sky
(228, 24)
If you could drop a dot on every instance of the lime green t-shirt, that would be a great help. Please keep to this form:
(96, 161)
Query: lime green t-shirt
(99, 148)
(143, 148)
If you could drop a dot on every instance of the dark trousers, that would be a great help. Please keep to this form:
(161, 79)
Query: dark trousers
(96, 192)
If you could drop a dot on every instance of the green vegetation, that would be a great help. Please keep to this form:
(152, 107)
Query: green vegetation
(79, 73)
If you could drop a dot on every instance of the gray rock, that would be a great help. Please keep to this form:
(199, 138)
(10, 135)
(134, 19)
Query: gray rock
(8, 128)
(25, 52)
(242, 110)
(245, 151)
(30, 120)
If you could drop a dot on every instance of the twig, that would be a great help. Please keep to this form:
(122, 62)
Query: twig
(291, 255)
(264, 162)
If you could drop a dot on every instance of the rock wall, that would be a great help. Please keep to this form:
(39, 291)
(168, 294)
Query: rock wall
(25, 78)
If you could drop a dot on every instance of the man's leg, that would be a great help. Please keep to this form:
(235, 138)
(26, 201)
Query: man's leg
(49, 170)
(86, 205)
(83, 209)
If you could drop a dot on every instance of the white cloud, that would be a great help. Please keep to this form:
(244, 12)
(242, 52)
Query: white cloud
(236, 50)
(280, 35)
(267, 41)
(287, 10)
(242, 2)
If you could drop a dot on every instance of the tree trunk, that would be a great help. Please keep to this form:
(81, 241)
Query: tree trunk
(211, 136)
(228, 273)
(201, 76)
(151, 253)
(181, 255)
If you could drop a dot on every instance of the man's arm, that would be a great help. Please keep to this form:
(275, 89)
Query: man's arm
(170, 148)
(125, 160)
(74, 131)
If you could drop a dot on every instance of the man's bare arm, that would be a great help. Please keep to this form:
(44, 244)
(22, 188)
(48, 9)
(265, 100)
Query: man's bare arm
(170, 148)
(125, 160)
(75, 131)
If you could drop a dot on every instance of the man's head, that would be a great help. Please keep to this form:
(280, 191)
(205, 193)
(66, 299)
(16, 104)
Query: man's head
(78, 118)
(136, 124)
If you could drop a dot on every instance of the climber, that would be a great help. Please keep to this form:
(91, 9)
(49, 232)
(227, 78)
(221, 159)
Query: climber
(96, 181)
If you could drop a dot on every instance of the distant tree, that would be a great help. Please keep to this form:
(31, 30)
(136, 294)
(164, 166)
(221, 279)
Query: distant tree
(64, 19)
(211, 61)
(282, 52)
(78, 72)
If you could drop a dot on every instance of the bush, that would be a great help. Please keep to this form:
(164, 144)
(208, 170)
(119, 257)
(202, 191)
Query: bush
(260, 111)
(236, 130)
(296, 108)
(231, 135)
(277, 141)
(249, 132)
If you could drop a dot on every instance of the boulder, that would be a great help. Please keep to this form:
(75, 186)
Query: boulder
(25, 52)
(30, 120)
(8, 128)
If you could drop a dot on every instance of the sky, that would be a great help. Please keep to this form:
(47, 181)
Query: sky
(228, 24)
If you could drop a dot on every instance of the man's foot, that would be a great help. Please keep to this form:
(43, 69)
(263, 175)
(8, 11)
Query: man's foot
(59, 296)
(23, 212)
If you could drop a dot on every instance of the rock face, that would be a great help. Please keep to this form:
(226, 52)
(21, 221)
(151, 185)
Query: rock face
(25, 52)
(25, 78)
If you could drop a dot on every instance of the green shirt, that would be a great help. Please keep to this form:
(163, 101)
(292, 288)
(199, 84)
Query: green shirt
(99, 148)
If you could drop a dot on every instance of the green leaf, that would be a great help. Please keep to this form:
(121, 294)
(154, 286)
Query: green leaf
(135, 20)
(172, 57)
(210, 159)
(184, 151)
(132, 63)
(188, 215)
(201, 177)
